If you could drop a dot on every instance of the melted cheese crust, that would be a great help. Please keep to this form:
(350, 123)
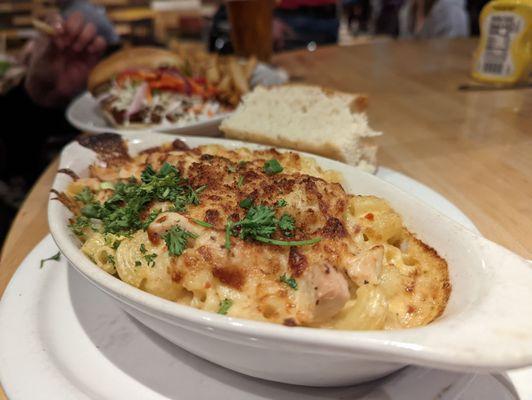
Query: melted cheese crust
(367, 272)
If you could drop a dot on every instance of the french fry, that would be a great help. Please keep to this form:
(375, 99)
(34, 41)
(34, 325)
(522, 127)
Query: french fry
(250, 67)
(238, 76)
(228, 75)
(225, 84)
(43, 27)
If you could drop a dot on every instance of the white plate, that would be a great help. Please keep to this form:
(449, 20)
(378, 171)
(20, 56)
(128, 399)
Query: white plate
(61, 339)
(84, 111)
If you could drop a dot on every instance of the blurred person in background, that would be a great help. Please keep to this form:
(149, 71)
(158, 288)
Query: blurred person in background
(428, 19)
(58, 67)
(57, 71)
(386, 16)
(357, 14)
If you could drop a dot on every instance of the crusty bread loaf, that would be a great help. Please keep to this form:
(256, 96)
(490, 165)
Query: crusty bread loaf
(130, 58)
(306, 118)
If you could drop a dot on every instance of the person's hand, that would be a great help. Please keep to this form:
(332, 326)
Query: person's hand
(280, 33)
(60, 64)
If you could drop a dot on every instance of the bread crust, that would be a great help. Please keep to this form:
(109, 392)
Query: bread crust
(134, 57)
(328, 150)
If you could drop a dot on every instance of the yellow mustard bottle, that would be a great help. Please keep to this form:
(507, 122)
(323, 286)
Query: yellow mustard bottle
(504, 53)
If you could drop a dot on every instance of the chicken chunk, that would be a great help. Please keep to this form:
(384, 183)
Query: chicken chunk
(324, 292)
(366, 267)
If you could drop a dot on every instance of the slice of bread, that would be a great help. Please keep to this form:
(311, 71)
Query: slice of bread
(306, 118)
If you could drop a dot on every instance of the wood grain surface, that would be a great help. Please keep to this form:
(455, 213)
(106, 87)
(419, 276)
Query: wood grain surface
(474, 147)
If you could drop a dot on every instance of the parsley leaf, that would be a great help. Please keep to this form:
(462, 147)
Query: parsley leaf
(150, 259)
(202, 223)
(92, 210)
(259, 221)
(289, 281)
(55, 257)
(240, 181)
(225, 305)
(307, 242)
(142, 248)
(79, 225)
(150, 218)
(177, 240)
(259, 224)
(246, 203)
(272, 167)
(281, 203)
(85, 196)
(228, 231)
(287, 223)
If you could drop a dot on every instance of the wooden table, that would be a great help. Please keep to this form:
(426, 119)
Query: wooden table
(475, 148)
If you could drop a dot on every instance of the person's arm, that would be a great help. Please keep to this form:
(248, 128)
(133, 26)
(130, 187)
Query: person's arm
(59, 65)
(446, 19)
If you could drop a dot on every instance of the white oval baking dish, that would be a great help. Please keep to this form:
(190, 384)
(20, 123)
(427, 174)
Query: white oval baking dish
(487, 325)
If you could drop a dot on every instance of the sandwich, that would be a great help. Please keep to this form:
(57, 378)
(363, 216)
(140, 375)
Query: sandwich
(306, 118)
(146, 86)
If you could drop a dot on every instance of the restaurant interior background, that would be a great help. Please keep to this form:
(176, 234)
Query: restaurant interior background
(195, 22)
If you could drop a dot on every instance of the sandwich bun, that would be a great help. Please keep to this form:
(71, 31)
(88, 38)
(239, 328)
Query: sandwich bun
(130, 58)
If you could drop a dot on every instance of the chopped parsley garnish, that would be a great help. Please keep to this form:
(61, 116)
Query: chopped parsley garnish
(246, 203)
(107, 185)
(202, 223)
(225, 305)
(272, 167)
(289, 281)
(150, 218)
(228, 228)
(91, 210)
(121, 213)
(240, 181)
(111, 259)
(281, 203)
(259, 224)
(275, 242)
(116, 243)
(177, 240)
(85, 196)
(231, 169)
(55, 257)
(150, 259)
(79, 225)
(287, 224)
(259, 221)
(138, 263)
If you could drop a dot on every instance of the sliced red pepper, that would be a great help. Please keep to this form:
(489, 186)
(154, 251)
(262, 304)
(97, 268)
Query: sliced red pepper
(136, 75)
(168, 82)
